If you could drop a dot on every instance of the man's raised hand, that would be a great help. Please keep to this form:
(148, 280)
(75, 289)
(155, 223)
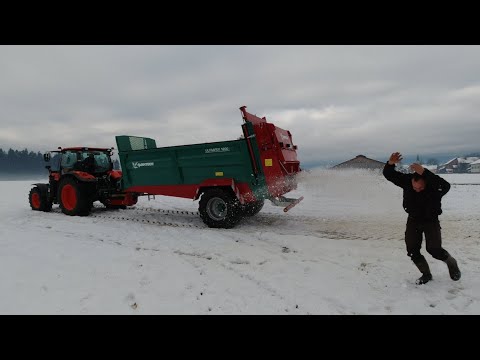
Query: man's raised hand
(396, 157)
(419, 169)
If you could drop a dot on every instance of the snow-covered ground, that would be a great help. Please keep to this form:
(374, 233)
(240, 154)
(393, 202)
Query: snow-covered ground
(340, 251)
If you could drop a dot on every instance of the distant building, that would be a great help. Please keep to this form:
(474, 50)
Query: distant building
(457, 165)
(405, 168)
(432, 168)
(449, 167)
(475, 167)
(360, 162)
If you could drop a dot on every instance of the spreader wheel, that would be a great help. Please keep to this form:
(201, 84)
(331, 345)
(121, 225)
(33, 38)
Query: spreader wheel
(219, 208)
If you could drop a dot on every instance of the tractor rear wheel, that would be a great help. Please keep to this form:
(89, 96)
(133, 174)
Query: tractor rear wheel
(219, 208)
(74, 197)
(38, 199)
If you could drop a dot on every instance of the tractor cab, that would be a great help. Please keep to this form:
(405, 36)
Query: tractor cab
(94, 161)
(90, 161)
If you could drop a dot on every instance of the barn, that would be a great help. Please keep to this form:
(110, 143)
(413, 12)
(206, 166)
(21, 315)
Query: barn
(360, 162)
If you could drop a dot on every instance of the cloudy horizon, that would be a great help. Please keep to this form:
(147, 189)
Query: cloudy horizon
(337, 101)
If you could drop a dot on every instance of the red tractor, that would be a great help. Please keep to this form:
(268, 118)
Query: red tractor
(78, 177)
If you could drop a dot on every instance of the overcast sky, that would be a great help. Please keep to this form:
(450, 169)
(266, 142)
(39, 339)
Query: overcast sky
(337, 101)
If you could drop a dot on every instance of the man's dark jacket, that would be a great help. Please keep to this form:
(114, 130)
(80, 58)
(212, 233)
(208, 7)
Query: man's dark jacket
(424, 205)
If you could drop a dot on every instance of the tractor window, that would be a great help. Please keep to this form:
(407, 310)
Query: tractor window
(102, 162)
(55, 162)
(69, 159)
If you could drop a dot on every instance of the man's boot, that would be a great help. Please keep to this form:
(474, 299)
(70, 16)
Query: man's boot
(425, 270)
(453, 269)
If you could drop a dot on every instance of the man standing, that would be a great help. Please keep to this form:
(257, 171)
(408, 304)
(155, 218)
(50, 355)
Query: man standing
(422, 195)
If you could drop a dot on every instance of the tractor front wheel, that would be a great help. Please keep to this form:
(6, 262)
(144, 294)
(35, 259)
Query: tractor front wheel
(38, 199)
(74, 197)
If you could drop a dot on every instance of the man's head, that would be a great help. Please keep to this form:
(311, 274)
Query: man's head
(418, 182)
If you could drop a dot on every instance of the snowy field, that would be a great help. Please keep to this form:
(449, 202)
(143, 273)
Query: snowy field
(340, 251)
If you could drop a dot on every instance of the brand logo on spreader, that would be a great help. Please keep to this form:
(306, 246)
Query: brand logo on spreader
(137, 164)
(215, 150)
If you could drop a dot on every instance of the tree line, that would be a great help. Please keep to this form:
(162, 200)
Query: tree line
(21, 162)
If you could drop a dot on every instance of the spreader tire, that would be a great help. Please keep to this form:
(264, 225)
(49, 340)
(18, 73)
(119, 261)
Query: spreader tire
(253, 208)
(219, 208)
